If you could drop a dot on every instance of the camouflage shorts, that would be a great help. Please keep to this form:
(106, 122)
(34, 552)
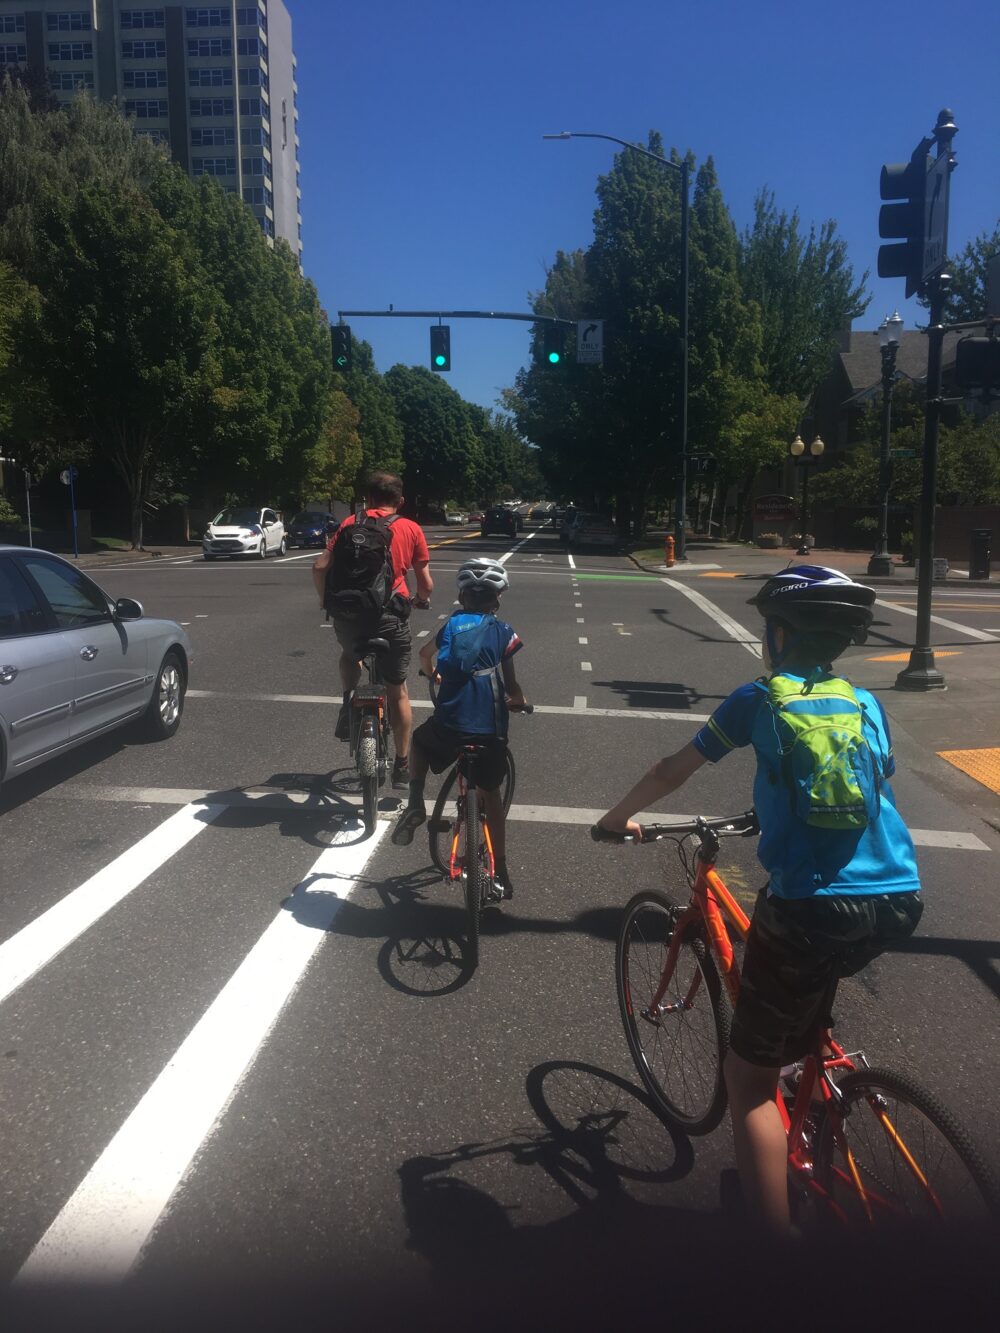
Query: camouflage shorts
(797, 951)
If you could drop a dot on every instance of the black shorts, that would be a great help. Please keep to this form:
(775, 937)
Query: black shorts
(797, 951)
(442, 746)
(393, 665)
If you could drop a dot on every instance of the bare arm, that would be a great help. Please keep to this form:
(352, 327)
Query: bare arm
(662, 779)
(427, 654)
(320, 565)
(425, 584)
(513, 691)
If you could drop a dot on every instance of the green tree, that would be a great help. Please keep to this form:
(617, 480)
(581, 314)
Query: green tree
(123, 343)
(967, 297)
(443, 456)
(379, 427)
(331, 465)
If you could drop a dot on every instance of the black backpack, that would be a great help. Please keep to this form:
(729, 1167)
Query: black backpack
(360, 575)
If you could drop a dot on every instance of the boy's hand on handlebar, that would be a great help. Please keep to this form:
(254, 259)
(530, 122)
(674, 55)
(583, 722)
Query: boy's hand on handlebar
(623, 827)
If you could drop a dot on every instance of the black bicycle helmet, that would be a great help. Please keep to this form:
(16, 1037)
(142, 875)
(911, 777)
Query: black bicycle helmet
(813, 598)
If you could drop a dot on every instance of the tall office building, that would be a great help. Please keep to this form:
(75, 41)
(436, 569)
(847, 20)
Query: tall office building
(214, 82)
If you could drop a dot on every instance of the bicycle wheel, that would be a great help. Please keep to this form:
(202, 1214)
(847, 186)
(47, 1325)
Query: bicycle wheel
(446, 813)
(886, 1118)
(367, 762)
(679, 1050)
(472, 879)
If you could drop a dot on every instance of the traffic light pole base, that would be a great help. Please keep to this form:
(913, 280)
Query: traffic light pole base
(880, 566)
(921, 673)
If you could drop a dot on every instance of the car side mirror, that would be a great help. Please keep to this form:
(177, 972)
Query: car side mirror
(127, 608)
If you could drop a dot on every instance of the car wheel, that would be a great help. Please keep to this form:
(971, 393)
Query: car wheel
(282, 549)
(163, 716)
(262, 549)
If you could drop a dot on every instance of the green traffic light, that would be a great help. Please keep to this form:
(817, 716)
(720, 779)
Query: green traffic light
(439, 360)
(554, 358)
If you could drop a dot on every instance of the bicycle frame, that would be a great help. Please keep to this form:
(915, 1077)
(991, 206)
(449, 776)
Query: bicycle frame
(455, 866)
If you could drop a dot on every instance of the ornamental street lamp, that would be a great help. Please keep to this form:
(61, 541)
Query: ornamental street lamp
(889, 336)
(797, 449)
(680, 518)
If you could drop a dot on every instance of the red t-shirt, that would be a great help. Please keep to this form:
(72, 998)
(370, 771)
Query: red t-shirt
(409, 545)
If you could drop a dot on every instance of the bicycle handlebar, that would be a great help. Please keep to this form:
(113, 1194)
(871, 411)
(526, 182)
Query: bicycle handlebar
(736, 826)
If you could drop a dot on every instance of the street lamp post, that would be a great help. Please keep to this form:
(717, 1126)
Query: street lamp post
(680, 517)
(889, 335)
(797, 449)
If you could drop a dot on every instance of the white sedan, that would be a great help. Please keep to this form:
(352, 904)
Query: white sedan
(244, 531)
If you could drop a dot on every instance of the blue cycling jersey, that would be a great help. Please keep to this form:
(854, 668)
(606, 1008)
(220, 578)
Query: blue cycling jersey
(474, 701)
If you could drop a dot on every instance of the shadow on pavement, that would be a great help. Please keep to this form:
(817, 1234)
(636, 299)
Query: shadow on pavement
(657, 694)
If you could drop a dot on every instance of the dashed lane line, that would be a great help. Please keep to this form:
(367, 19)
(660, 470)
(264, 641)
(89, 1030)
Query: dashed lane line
(586, 666)
(101, 1231)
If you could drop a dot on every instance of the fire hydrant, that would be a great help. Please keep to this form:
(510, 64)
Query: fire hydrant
(668, 552)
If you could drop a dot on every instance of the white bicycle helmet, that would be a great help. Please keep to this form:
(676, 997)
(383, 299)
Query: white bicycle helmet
(483, 573)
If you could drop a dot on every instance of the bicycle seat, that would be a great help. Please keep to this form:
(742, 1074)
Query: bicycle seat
(366, 646)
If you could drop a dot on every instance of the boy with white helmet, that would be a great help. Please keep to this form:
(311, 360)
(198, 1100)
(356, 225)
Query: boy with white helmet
(476, 687)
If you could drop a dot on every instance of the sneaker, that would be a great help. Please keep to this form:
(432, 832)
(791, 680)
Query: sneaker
(401, 774)
(342, 731)
(501, 880)
(407, 824)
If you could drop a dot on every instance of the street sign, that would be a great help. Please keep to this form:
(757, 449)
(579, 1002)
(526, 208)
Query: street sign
(590, 342)
(936, 215)
(68, 475)
(903, 453)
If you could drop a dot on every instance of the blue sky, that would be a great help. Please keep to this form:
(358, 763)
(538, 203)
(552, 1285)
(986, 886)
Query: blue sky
(426, 182)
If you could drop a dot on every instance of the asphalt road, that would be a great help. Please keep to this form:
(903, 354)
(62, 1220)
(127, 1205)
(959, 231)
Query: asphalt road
(238, 1043)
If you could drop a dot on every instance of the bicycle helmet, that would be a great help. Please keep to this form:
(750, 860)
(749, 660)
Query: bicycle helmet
(483, 573)
(813, 598)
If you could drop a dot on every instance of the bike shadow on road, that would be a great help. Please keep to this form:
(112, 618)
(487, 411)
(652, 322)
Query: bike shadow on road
(657, 694)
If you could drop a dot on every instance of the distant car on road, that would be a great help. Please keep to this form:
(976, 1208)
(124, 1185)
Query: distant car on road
(582, 529)
(310, 528)
(499, 520)
(455, 519)
(75, 664)
(476, 516)
(243, 530)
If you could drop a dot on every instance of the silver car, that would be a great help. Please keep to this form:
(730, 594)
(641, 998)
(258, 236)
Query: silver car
(244, 531)
(74, 663)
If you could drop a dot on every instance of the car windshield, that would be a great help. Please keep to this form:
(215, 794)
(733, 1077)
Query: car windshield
(236, 518)
(310, 519)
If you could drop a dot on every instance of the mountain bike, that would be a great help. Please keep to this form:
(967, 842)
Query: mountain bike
(865, 1144)
(370, 729)
(460, 843)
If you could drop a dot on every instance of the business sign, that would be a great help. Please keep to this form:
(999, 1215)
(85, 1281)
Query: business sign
(774, 506)
(590, 342)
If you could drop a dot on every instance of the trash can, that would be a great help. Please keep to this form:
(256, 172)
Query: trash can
(979, 553)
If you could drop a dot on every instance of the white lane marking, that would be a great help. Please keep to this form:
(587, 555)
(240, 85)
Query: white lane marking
(204, 616)
(579, 620)
(583, 640)
(185, 623)
(43, 939)
(444, 617)
(968, 842)
(732, 627)
(578, 605)
(940, 620)
(507, 554)
(100, 1232)
(423, 634)
(579, 701)
(686, 568)
(585, 666)
(572, 562)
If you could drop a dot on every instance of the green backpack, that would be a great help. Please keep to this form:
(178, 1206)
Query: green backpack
(826, 759)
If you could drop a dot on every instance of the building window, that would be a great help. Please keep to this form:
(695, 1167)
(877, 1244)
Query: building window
(77, 21)
(210, 78)
(252, 78)
(266, 226)
(13, 55)
(210, 46)
(255, 166)
(211, 106)
(256, 136)
(11, 23)
(145, 78)
(142, 18)
(71, 50)
(251, 106)
(216, 136)
(214, 166)
(254, 194)
(251, 46)
(208, 18)
(249, 16)
(67, 81)
(148, 50)
(155, 136)
(146, 110)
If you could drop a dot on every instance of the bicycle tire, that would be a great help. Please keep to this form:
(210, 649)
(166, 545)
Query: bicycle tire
(963, 1190)
(679, 1056)
(445, 813)
(367, 762)
(473, 875)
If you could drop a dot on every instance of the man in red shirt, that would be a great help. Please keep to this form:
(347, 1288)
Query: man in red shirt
(409, 551)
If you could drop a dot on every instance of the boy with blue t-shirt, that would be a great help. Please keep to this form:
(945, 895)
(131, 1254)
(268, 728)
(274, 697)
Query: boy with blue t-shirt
(843, 878)
(476, 687)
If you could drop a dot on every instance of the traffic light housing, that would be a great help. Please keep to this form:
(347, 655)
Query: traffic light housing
(440, 347)
(977, 363)
(905, 183)
(340, 340)
(553, 345)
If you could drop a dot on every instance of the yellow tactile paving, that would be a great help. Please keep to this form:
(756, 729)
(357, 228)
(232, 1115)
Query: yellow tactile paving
(983, 765)
(905, 657)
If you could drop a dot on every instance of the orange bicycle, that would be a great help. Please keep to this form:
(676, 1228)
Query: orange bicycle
(864, 1144)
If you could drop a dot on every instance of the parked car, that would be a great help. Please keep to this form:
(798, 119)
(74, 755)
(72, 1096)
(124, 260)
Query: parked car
(584, 529)
(75, 664)
(454, 519)
(476, 516)
(244, 531)
(499, 520)
(310, 528)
